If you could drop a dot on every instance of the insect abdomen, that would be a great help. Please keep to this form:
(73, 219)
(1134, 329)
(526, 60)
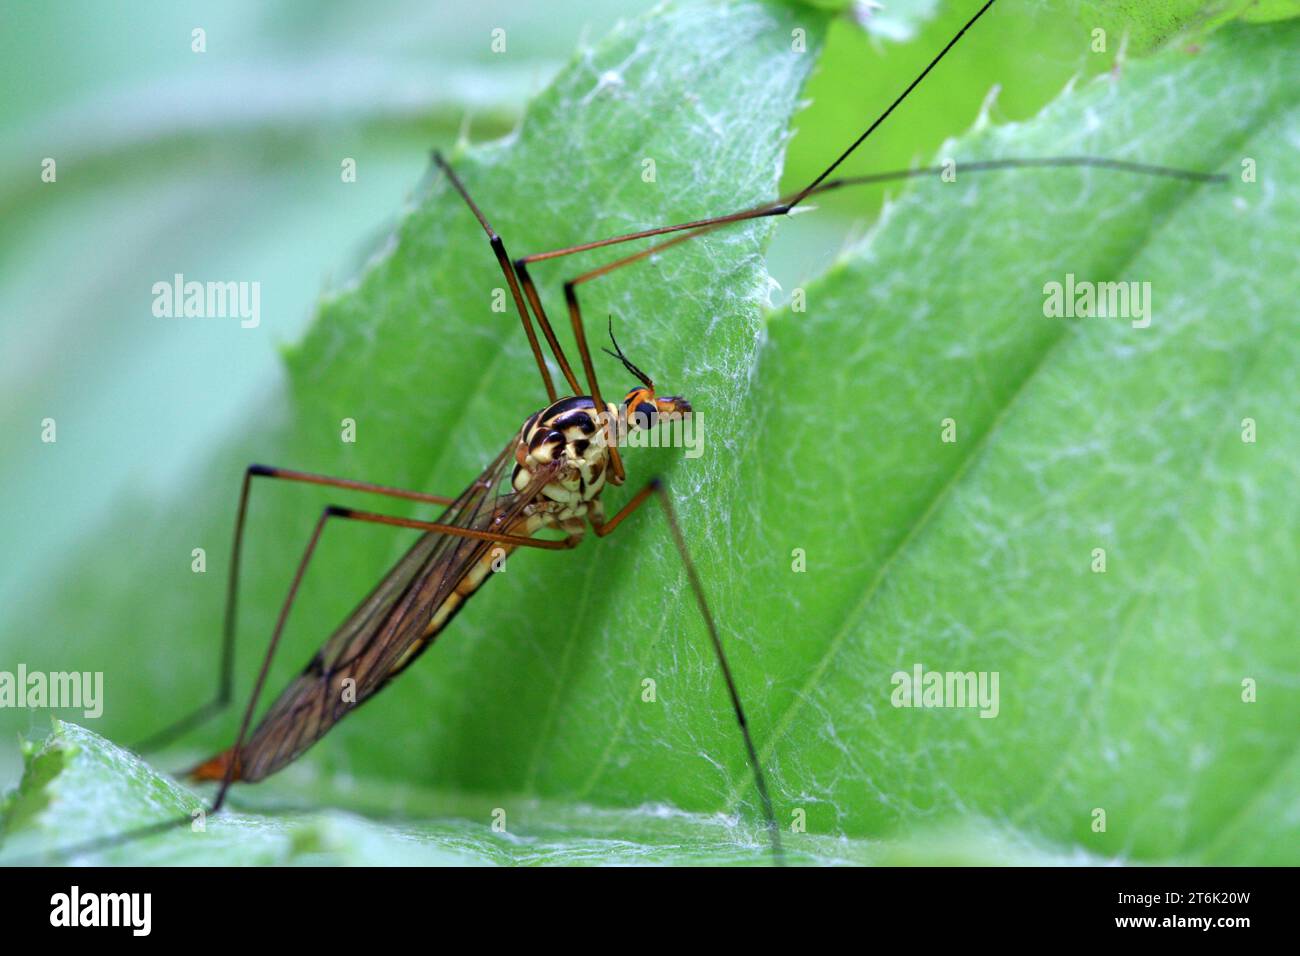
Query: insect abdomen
(492, 560)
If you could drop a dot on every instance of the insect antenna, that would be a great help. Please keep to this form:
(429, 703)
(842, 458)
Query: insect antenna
(617, 352)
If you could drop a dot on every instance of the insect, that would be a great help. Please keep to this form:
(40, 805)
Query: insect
(549, 476)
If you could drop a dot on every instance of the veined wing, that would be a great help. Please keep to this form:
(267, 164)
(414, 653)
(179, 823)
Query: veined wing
(386, 631)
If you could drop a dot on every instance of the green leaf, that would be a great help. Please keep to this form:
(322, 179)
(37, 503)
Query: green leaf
(1266, 11)
(1119, 691)
(1147, 25)
(54, 809)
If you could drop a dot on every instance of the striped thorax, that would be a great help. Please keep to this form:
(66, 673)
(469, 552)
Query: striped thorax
(571, 431)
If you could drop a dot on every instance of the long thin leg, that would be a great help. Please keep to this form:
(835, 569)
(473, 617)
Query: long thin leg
(332, 511)
(225, 679)
(499, 249)
(655, 488)
(580, 336)
(783, 206)
(891, 107)
(530, 289)
(983, 166)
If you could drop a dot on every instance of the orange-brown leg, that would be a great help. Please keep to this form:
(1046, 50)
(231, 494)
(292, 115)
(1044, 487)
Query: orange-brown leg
(783, 206)
(330, 512)
(530, 289)
(499, 250)
(333, 511)
(225, 678)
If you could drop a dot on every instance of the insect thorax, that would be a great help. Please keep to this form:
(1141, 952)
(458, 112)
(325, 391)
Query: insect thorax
(570, 431)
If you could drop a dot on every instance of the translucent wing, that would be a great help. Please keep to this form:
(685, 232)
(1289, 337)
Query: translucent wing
(385, 633)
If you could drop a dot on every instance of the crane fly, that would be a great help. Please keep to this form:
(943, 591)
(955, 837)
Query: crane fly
(549, 476)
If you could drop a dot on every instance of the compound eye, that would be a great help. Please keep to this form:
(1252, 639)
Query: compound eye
(647, 415)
